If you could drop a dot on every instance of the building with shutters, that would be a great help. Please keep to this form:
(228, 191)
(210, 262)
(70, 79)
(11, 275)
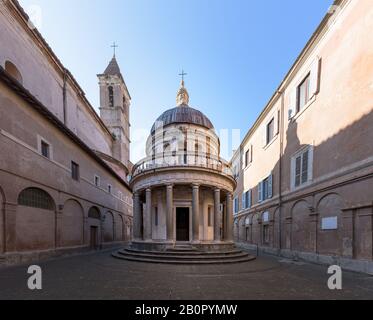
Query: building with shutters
(63, 168)
(305, 168)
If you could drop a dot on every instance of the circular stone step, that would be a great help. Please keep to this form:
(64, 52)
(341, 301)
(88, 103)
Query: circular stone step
(181, 253)
(192, 257)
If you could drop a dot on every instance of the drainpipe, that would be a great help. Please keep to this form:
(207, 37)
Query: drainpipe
(282, 118)
(64, 96)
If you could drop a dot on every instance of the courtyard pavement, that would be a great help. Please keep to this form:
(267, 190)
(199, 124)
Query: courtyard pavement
(99, 276)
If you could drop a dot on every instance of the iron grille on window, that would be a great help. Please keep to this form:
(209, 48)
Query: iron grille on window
(36, 198)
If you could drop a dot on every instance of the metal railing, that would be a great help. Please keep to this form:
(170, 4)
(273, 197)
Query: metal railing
(183, 159)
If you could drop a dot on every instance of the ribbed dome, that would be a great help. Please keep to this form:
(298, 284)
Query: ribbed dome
(182, 114)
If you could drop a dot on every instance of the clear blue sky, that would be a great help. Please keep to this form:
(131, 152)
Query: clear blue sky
(236, 52)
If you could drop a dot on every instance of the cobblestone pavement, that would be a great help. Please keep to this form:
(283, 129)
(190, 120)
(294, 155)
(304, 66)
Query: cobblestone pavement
(99, 276)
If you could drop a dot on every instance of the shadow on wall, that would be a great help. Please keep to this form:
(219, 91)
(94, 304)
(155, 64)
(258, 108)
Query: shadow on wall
(302, 216)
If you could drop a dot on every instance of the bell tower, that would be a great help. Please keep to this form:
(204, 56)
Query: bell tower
(115, 102)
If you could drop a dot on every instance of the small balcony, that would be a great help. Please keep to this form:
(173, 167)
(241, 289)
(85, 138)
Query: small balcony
(182, 160)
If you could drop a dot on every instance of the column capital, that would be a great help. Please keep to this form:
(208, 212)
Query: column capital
(216, 190)
(196, 185)
(169, 186)
(148, 190)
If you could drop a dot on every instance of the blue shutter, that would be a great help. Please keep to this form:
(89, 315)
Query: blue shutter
(243, 201)
(249, 199)
(260, 191)
(270, 186)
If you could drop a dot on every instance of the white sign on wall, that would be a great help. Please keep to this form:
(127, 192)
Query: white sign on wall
(330, 223)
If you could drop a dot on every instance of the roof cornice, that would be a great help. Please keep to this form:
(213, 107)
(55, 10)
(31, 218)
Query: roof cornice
(321, 29)
(25, 95)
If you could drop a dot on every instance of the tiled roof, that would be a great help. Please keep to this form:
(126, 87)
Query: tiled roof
(113, 68)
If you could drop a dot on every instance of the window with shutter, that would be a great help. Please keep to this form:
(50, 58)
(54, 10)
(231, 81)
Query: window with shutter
(315, 77)
(260, 192)
(270, 131)
(270, 186)
(302, 167)
(298, 164)
(303, 95)
(248, 199)
(247, 158)
(305, 167)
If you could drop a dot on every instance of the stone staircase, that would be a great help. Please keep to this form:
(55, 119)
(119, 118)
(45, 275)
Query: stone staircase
(184, 255)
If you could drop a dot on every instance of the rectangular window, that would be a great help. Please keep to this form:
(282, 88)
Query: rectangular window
(75, 174)
(302, 167)
(97, 181)
(247, 158)
(45, 149)
(303, 93)
(246, 200)
(270, 131)
(156, 217)
(235, 205)
(109, 188)
(265, 189)
(209, 218)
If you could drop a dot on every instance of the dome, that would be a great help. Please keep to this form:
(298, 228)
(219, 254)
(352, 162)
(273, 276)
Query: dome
(182, 113)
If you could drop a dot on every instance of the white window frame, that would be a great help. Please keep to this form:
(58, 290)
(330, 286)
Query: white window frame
(50, 148)
(261, 189)
(301, 152)
(314, 71)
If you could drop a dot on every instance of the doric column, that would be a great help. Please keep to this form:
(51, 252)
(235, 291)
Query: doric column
(196, 212)
(217, 215)
(169, 213)
(148, 216)
(136, 216)
(229, 218)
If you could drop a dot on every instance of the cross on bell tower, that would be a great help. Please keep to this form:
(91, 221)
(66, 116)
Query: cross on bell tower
(114, 46)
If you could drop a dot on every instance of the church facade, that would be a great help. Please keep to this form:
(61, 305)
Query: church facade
(304, 171)
(63, 169)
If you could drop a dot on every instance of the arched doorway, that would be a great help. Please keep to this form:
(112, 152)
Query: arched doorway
(300, 226)
(94, 225)
(35, 220)
(329, 236)
(70, 224)
(119, 227)
(109, 227)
